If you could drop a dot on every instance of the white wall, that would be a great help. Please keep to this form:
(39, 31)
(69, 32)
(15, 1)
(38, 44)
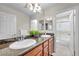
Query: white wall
(52, 11)
(76, 24)
(22, 20)
(7, 25)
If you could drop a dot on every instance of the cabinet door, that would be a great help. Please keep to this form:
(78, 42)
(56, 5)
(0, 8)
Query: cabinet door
(51, 46)
(46, 44)
(35, 51)
(46, 51)
(39, 54)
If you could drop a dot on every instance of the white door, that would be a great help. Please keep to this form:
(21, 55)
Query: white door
(64, 32)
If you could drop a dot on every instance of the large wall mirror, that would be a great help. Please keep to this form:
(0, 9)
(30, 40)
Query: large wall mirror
(34, 24)
(46, 25)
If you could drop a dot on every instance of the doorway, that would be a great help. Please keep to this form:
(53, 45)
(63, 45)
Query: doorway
(64, 43)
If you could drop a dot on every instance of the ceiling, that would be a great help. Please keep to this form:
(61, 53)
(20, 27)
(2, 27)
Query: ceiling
(21, 7)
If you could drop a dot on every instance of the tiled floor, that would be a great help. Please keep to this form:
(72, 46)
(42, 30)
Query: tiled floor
(62, 50)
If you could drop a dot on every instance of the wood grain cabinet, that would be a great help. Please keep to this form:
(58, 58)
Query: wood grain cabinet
(44, 49)
(51, 46)
(39, 54)
(36, 51)
(46, 52)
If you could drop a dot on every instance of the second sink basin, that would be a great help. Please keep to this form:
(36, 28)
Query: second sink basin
(22, 44)
(45, 35)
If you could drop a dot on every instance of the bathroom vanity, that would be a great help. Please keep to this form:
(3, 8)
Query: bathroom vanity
(42, 47)
(46, 48)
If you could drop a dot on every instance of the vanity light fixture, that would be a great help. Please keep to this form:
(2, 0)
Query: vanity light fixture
(35, 7)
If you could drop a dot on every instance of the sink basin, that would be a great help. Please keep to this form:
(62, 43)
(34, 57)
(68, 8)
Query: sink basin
(45, 35)
(22, 44)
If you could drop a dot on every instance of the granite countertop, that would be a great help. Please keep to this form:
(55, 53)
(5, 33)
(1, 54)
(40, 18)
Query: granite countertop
(16, 52)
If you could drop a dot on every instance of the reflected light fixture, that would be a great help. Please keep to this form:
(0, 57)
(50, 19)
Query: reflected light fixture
(48, 18)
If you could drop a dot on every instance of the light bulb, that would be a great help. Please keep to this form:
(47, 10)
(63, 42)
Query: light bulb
(34, 10)
(31, 7)
(34, 7)
(39, 9)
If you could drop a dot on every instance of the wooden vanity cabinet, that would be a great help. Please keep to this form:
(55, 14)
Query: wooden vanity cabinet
(51, 46)
(44, 49)
(35, 51)
(39, 54)
(46, 52)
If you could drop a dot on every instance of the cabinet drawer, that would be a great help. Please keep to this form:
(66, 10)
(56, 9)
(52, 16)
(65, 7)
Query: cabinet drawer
(46, 51)
(45, 44)
(35, 51)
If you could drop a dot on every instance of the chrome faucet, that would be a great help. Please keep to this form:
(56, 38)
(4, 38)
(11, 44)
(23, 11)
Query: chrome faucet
(19, 36)
(22, 37)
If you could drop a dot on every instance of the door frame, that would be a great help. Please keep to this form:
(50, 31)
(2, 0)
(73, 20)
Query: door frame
(71, 13)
